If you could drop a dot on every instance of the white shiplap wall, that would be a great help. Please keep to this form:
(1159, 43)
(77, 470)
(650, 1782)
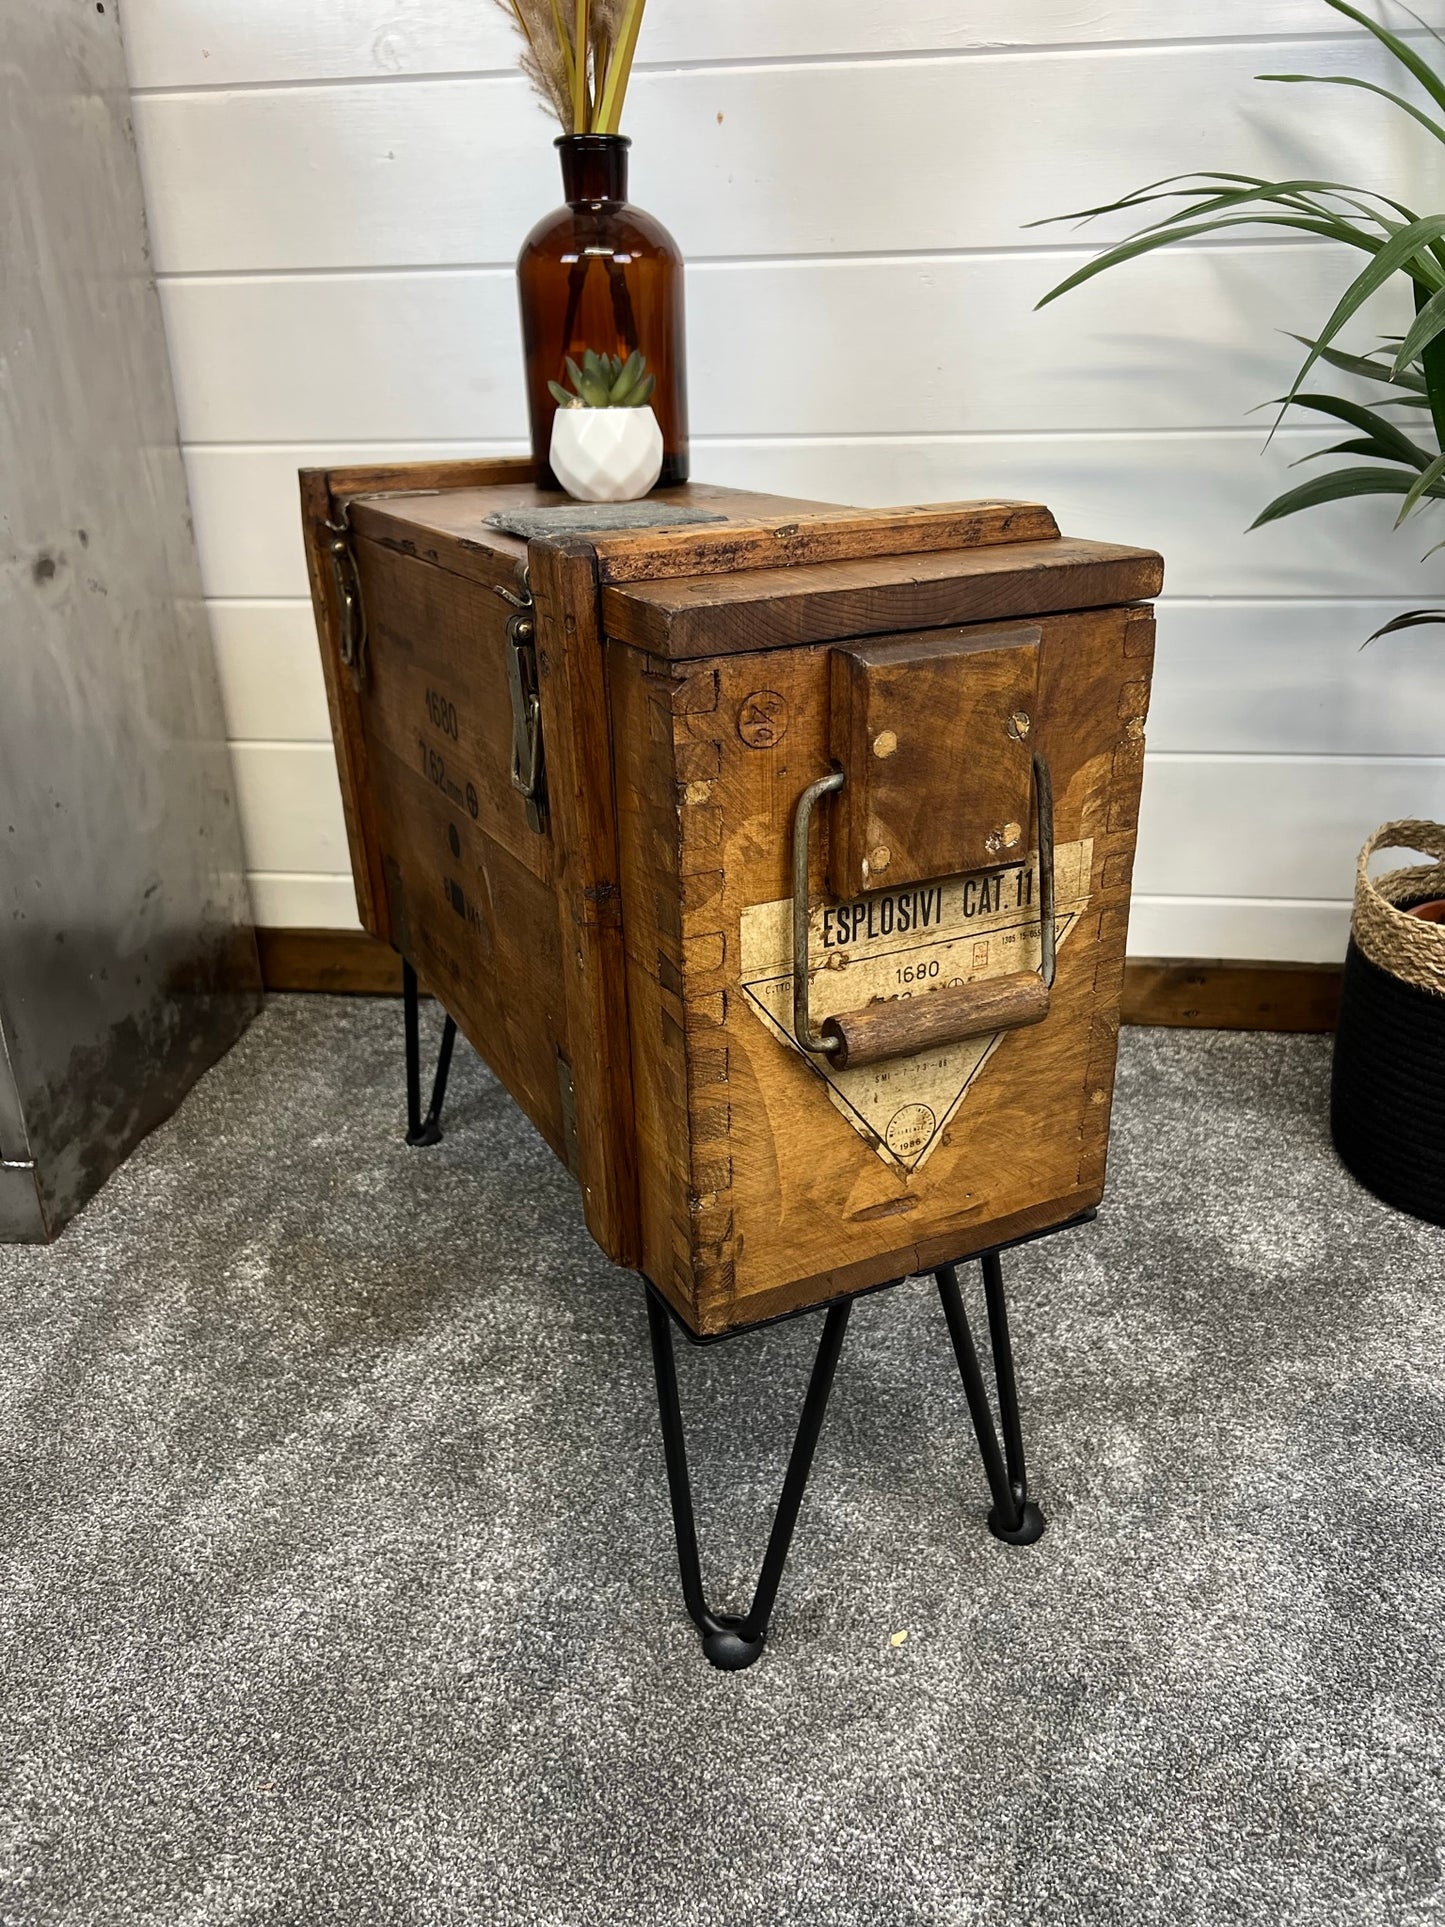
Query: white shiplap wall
(337, 189)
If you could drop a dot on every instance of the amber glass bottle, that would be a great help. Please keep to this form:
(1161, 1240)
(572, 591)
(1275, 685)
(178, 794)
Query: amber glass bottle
(601, 274)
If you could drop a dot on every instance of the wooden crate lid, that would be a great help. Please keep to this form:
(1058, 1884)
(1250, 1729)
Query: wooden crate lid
(444, 517)
(771, 571)
(776, 608)
(445, 513)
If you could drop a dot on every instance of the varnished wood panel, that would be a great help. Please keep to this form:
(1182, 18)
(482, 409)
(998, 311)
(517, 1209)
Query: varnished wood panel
(345, 963)
(323, 492)
(626, 974)
(576, 731)
(674, 1215)
(437, 694)
(1229, 681)
(753, 531)
(933, 733)
(799, 536)
(378, 478)
(448, 525)
(1179, 992)
(1231, 996)
(784, 1201)
(777, 608)
(482, 931)
(1187, 495)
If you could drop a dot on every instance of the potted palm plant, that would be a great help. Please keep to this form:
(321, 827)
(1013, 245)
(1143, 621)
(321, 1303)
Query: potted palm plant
(1388, 1093)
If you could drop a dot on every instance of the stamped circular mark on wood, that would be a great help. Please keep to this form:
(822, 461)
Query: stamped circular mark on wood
(909, 1130)
(763, 719)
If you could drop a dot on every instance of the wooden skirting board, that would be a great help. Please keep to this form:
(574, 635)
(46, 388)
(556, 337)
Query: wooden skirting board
(1231, 996)
(1173, 991)
(344, 962)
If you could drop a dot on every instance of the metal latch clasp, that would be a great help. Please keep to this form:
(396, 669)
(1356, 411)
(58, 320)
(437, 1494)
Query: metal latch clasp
(527, 773)
(351, 615)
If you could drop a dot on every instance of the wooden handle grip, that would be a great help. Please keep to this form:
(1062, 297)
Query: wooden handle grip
(899, 1026)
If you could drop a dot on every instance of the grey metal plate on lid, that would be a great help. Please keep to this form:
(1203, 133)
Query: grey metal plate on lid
(597, 518)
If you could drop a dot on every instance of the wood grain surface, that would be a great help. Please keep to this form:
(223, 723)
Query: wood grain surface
(576, 731)
(776, 608)
(1184, 993)
(933, 735)
(751, 1172)
(903, 1027)
(618, 970)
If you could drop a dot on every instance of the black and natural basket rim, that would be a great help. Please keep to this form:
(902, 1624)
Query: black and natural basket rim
(1410, 949)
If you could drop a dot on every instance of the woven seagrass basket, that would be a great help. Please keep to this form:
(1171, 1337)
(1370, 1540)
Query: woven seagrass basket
(1387, 1101)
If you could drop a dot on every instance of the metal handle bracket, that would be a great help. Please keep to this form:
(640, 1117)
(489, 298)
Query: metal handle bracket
(831, 1043)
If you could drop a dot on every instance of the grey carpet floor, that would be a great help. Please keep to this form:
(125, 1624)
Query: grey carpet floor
(337, 1581)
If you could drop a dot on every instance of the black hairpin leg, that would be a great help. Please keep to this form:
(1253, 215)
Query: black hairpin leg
(423, 1130)
(731, 1641)
(1013, 1516)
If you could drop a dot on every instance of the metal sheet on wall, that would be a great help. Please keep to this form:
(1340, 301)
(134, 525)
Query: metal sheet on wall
(127, 964)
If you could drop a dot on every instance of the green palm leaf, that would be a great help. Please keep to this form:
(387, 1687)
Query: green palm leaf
(1425, 24)
(1337, 486)
(1357, 445)
(1148, 243)
(1296, 194)
(1429, 323)
(1391, 442)
(1405, 54)
(1371, 370)
(1396, 240)
(1401, 251)
(1208, 185)
(1427, 482)
(1432, 367)
(1413, 619)
(1365, 86)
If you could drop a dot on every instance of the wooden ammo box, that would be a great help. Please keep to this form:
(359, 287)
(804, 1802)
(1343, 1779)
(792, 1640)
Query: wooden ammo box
(602, 784)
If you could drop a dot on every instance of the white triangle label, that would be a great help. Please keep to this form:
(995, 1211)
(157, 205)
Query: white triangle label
(904, 943)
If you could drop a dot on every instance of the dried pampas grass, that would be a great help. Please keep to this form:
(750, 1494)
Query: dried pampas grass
(578, 55)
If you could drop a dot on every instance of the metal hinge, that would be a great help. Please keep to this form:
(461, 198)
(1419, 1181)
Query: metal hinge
(528, 775)
(351, 616)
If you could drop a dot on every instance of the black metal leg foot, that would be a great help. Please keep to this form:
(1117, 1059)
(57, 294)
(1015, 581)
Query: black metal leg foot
(1029, 1527)
(731, 1641)
(1013, 1517)
(729, 1647)
(421, 1130)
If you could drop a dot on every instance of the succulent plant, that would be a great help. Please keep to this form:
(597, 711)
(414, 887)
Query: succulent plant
(606, 381)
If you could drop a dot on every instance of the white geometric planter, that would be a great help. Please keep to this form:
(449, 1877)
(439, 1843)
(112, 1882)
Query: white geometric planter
(606, 454)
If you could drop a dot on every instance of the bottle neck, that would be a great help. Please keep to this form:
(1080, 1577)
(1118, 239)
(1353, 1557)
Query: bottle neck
(594, 166)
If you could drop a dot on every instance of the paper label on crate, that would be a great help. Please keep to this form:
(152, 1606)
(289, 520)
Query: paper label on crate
(904, 943)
